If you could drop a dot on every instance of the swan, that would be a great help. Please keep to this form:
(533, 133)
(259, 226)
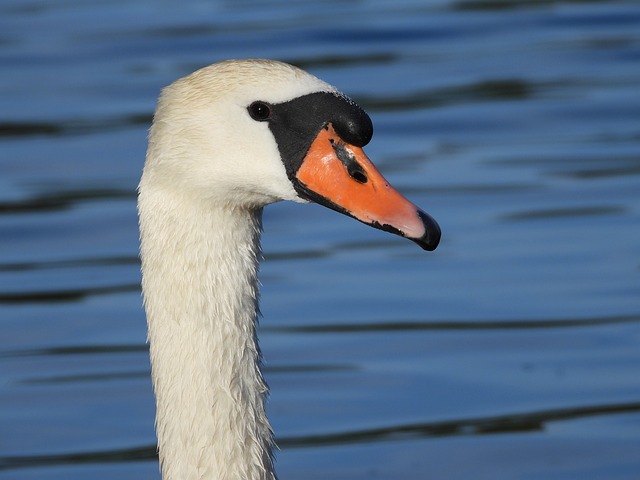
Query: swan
(226, 141)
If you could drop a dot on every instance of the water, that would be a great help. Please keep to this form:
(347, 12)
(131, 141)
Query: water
(509, 353)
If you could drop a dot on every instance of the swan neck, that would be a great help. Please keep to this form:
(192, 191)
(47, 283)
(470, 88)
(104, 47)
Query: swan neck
(200, 286)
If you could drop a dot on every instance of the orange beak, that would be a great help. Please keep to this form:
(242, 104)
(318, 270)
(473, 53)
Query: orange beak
(340, 176)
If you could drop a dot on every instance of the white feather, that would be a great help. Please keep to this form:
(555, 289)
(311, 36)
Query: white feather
(209, 171)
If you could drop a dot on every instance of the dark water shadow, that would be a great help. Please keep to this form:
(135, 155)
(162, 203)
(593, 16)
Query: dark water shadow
(69, 295)
(134, 454)
(521, 423)
(583, 168)
(73, 350)
(85, 378)
(488, 90)
(71, 263)
(61, 200)
(72, 127)
(453, 325)
(546, 214)
(493, 5)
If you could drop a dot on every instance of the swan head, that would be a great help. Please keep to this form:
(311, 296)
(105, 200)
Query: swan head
(246, 133)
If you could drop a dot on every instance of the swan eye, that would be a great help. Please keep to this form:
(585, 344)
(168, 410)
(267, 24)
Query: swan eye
(259, 111)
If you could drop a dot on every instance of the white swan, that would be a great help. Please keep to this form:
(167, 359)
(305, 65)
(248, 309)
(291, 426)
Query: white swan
(226, 141)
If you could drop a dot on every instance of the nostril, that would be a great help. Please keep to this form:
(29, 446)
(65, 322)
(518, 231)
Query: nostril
(358, 174)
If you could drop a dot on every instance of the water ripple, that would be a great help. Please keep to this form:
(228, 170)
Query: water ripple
(72, 127)
(454, 325)
(70, 295)
(487, 90)
(61, 200)
(492, 425)
(523, 422)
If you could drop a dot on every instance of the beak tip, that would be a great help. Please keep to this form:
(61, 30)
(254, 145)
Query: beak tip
(431, 238)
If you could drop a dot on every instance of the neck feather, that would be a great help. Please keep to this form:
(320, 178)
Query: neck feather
(200, 288)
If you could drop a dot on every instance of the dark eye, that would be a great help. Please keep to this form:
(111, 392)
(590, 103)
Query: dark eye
(259, 111)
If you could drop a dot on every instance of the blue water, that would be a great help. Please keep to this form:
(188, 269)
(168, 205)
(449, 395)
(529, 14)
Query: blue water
(512, 352)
